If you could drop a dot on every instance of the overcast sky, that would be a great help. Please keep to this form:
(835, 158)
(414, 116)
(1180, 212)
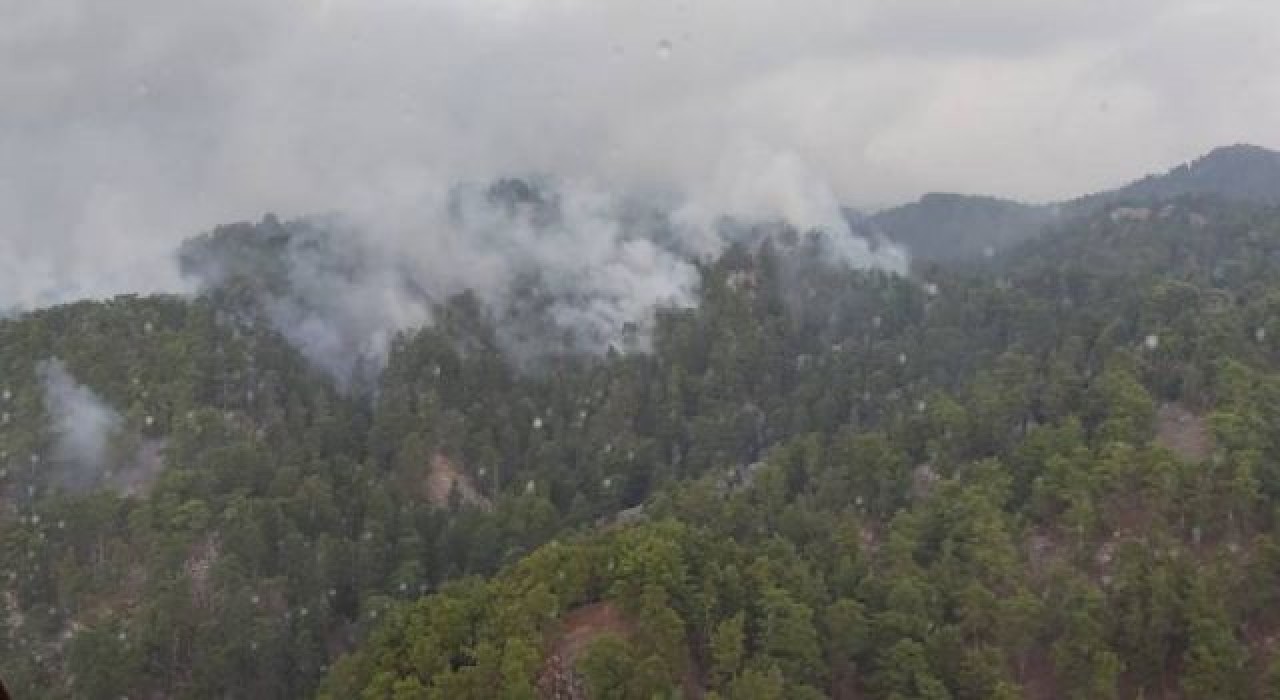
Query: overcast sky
(126, 125)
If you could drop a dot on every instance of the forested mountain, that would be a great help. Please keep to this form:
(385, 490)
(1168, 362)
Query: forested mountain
(954, 227)
(1056, 480)
(941, 226)
(1241, 172)
(1052, 476)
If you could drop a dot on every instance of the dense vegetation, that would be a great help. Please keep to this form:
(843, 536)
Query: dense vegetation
(1052, 476)
(996, 517)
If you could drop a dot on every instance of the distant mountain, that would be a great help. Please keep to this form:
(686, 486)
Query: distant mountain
(1241, 172)
(949, 227)
(942, 226)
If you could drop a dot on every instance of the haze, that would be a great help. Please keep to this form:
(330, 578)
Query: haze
(129, 126)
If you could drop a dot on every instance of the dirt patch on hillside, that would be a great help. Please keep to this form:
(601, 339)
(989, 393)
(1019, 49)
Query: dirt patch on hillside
(1182, 432)
(588, 623)
(444, 478)
(578, 629)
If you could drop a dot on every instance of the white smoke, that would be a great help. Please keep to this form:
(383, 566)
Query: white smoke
(141, 123)
(597, 274)
(346, 301)
(563, 265)
(754, 182)
(82, 424)
(130, 125)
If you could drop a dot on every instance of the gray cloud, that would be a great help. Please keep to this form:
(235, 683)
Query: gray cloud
(129, 125)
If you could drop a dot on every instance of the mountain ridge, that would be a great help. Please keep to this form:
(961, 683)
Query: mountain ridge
(945, 226)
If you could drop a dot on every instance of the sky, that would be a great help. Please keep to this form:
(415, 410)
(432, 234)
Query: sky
(126, 126)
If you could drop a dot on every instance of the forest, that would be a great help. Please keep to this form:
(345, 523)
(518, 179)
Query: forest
(1051, 472)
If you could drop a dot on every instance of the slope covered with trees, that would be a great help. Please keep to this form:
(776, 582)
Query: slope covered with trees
(1008, 522)
(818, 482)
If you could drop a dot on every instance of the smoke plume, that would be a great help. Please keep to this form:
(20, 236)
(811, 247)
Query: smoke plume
(82, 425)
(128, 126)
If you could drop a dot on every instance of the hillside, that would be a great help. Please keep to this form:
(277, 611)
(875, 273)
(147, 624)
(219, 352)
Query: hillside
(952, 227)
(512, 350)
(1241, 172)
(959, 227)
(1052, 476)
(1004, 509)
